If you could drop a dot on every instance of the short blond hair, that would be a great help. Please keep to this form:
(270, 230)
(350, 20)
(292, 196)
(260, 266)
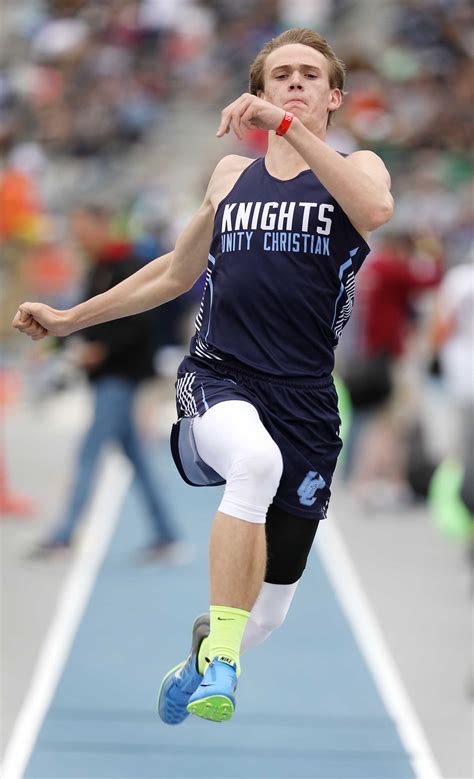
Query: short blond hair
(337, 69)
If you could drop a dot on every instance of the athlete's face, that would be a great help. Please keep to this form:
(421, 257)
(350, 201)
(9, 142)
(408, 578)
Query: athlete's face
(297, 79)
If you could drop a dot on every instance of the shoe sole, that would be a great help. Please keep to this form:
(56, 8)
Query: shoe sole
(217, 708)
(198, 636)
(165, 679)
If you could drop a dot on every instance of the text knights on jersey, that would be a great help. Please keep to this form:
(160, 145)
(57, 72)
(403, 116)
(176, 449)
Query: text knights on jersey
(286, 216)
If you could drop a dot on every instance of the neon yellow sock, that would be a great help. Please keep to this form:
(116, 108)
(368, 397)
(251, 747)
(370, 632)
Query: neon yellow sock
(202, 654)
(230, 637)
(227, 628)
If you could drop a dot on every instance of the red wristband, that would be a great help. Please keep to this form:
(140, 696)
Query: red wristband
(285, 123)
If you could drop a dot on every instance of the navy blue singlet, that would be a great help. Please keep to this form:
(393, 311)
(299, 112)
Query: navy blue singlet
(280, 279)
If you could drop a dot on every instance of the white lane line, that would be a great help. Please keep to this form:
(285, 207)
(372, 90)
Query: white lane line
(346, 583)
(102, 519)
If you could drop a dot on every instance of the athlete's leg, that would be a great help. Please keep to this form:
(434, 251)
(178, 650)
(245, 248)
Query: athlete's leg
(289, 541)
(232, 440)
(268, 613)
(237, 557)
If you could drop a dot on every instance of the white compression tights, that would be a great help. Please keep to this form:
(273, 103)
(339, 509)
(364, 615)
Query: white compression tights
(268, 613)
(231, 439)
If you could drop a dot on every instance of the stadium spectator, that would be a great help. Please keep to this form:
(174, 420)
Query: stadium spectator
(116, 360)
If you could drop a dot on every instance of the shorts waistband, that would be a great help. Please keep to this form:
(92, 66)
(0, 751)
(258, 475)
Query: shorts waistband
(226, 367)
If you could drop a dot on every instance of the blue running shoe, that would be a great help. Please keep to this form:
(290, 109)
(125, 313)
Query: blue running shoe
(214, 699)
(179, 683)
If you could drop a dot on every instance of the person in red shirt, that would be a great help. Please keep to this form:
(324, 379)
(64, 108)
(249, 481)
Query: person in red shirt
(388, 285)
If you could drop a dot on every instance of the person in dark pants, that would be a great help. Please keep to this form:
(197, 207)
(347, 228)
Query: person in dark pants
(116, 358)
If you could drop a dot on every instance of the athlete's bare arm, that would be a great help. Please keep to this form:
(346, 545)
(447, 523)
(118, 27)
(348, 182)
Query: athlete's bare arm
(360, 183)
(159, 281)
(225, 176)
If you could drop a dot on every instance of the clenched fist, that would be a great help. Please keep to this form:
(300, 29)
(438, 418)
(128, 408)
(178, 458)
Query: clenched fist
(251, 112)
(39, 320)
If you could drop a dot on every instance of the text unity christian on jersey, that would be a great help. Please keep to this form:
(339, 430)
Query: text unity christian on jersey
(287, 226)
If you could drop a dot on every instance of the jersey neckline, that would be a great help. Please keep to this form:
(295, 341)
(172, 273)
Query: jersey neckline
(284, 181)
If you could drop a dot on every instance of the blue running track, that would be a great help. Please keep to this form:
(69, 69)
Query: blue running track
(307, 705)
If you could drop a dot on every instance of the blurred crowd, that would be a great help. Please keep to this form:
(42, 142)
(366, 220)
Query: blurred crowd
(85, 90)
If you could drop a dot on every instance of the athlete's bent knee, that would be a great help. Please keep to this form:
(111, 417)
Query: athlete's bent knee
(267, 623)
(268, 613)
(252, 482)
(261, 467)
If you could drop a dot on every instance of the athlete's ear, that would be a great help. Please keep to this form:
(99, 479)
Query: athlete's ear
(335, 100)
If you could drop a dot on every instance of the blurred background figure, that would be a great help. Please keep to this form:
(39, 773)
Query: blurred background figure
(22, 220)
(452, 341)
(116, 357)
(12, 504)
(375, 371)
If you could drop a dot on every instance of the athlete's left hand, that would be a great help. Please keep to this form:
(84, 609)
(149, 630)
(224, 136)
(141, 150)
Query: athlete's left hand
(251, 112)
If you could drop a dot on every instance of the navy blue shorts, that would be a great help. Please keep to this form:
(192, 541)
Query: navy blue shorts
(301, 417)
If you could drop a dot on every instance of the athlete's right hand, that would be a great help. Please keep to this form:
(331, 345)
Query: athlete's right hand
(39, 320)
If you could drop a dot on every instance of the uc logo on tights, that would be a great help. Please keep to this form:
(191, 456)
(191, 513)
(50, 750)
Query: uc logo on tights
(311, 483)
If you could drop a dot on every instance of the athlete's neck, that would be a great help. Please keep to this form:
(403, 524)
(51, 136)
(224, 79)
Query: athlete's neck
(282, 160)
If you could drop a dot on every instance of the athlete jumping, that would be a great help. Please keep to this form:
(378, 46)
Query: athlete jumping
(282, 238)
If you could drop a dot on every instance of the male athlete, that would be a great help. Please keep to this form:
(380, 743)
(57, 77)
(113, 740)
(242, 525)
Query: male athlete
(282, 238)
